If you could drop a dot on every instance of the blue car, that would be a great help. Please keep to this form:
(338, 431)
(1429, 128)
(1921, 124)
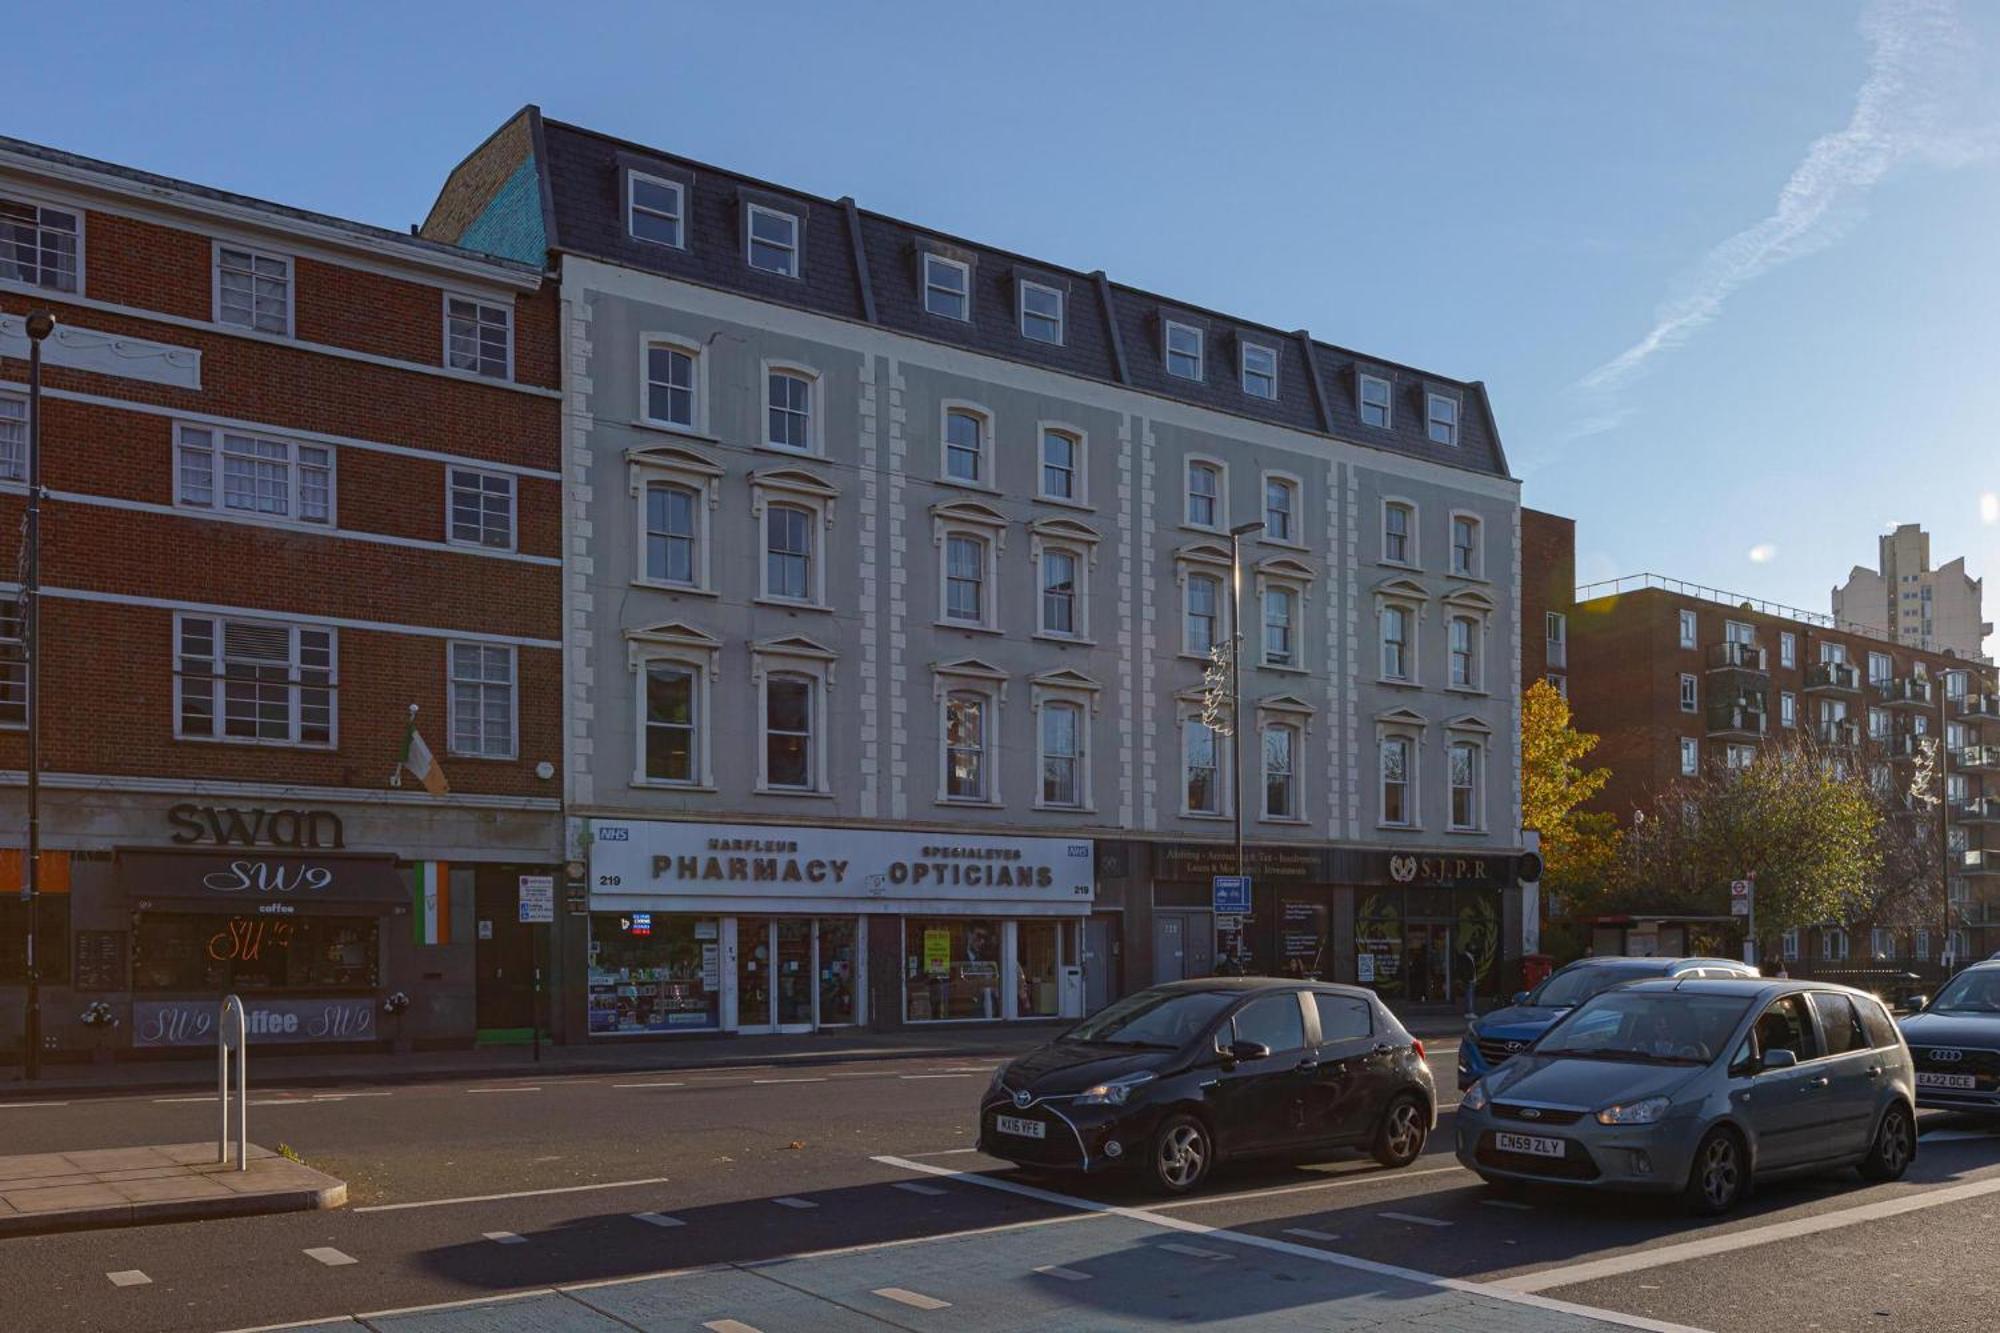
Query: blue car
(1493, 1038)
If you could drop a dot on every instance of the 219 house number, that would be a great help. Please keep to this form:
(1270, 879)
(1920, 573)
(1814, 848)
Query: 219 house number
(609, 881)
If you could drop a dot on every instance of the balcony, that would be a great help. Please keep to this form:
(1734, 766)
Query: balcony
(1841, 733)
(1742, 716)
(1979, 861)
(1978, 810)
(1976, 759)
(1833, 676)
(1904, 692)
(1905, 745)
(1736, 657)
(1979, 708)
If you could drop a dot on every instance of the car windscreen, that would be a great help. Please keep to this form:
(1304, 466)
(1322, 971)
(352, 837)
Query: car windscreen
(1660, 1027)
(1574, 985)
(1167, 1020)
(1971, 993)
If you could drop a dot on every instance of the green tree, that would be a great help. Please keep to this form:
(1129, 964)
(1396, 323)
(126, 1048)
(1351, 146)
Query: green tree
(1579, 847)
(1795, 820)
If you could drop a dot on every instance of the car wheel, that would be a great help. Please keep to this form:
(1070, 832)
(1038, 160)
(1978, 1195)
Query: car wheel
(1182, 1154)
(1894, 1147)
(1405, 1127)
(1720, 1175)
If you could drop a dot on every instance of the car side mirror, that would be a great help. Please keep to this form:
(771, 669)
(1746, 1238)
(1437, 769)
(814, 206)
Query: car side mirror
(1240, 1051)
(1916, 1004)
(1519, 997)
(1779, 1059)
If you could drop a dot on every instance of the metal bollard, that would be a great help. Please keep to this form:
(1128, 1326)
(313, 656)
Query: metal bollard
(233, 1007)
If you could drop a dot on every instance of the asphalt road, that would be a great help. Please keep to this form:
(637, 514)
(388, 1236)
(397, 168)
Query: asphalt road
(795, 1198)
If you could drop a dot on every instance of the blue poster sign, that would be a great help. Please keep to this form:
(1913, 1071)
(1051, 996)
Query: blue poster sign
(1232, 893)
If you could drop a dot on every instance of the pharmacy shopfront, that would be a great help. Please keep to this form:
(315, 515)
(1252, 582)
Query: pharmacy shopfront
(764, 928)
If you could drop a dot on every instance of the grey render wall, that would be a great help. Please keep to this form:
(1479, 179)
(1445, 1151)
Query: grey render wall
(882, 398)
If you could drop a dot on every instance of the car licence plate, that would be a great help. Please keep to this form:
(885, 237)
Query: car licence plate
(1027, 1129)
(1965, 1082)
(1529, 1144)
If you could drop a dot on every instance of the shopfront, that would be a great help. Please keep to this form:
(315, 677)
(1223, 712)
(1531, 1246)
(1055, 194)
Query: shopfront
(751, 928)
(1427, 926)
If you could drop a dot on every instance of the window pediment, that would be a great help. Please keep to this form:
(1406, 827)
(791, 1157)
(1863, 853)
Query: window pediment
(1285, 703)
(674, 639)
(1402, 590)
(1469, 599)
(1468, 722)
(1064, 679)
(794, 645)
(961, 670)
(1286, 567)
(1203, 553)
(796, 480)
(968, 511)
(1402, 717)
(693, 469)
(1064, 529)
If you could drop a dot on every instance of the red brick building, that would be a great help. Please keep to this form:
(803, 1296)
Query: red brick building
(300, 475)
(1675, 677)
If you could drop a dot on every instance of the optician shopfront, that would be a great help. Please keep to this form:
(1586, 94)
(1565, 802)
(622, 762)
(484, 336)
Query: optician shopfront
(755, 928)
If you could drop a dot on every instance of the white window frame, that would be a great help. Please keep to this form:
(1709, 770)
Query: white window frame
(1060, 319)
(949, 521)
(454, 682)
(991, 689)
(1362, 405)
(1079, 473)
(1293, 578)
(697, 424)
(295, 686)
(1412, 660)
(14, 417)
(1475, 652)
(781, 487)
(633, 206)
(481, 307)
(1833, 945)
(1690, 628)
(815, 439)
(1168, 351)
(1245, 373)
(1295, 488)
(1186, 571)
(689, 471)
(1788, 709)
(1432, 420)
(1555, 645)
(697, 653)
(987, 461)
(290, 280)
(1073, 692)
(1690, 693)
(1475, 567)
(1737, 757)
(1296, 775)
(1411, 543)
(1413, 748)
(1068, 538)
(511, 488)
(1788, 944)
(1225, 755)
(1221, 470)
(795, 248)
(963, 294)
(1788, 649)
(81, 219)
(1690, 756)
(294, 493)
(800, 659)
(1887, 664)
(1477, 749)
(14, 670)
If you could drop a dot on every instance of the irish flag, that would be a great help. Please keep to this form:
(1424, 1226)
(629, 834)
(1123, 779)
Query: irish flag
(430, 915)
(418, 759)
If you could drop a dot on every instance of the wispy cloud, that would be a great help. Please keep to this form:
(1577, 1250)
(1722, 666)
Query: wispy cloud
(1763, 553)
(1989, 507)
(1918, 63)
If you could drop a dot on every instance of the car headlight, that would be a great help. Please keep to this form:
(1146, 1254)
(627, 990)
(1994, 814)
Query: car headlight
(999, 1079)
(1475, 1097)
(1634, 1113)
(1113, 1092)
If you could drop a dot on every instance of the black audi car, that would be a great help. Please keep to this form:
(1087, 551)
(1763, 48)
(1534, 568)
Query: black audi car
(1176, 1078)
(1955, 1043)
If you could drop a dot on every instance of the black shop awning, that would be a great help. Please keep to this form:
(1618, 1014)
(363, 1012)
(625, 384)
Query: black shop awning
(257, 883)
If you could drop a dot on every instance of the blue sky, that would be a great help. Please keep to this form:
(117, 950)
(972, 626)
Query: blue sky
(1728, 270)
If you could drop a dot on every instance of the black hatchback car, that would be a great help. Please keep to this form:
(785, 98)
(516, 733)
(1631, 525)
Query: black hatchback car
(1171, 1080)
(1955, 1042)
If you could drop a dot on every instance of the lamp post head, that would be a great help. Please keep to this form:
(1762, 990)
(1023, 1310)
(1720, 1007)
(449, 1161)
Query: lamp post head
(1245, 529)
(40, 325)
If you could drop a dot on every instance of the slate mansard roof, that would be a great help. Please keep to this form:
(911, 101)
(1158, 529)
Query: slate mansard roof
(554, 189)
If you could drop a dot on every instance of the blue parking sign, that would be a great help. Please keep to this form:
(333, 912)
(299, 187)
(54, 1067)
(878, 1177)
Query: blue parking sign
(1232, 893)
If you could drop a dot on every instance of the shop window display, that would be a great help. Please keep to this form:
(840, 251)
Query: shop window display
(1040, 977)
(650, 972)
(255, 953)
(951, 969)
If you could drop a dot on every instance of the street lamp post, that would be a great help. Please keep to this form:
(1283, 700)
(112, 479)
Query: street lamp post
(40, 325)
(1236, 535)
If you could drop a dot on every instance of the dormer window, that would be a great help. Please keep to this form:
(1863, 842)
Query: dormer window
(655, 209)
(1041, 313)
(773, 239)
(1183, 350)
(1375, 401)
(1443, 419)
(1260, 371)
(947, 287)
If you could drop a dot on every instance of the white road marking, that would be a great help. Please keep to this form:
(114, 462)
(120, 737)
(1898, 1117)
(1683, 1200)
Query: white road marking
(16, 1106)
(1309, 1234)
(1412, 1217)
(944, 1152)
(477, 1090)
(649, 1085)
(916, 1300)
(730, 1326)
(912, 1187)
(504, 1238)
(1193, 1251)
(1569, 1275)
(1372, 1175)
(343, 1096)
(790, 1201)
(1066, 1274)
(788, 1080)
(165, 1101)
(515, 1194)
(1508, 1203)
(657, 1220)
(129, 1277)
(329, 1256)
(916, 1077)
(1156, 1218)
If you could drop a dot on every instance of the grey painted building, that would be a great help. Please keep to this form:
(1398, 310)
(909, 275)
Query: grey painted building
(893, 563)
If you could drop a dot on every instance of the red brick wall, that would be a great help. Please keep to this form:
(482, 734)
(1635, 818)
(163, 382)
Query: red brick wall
(1548, 583)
